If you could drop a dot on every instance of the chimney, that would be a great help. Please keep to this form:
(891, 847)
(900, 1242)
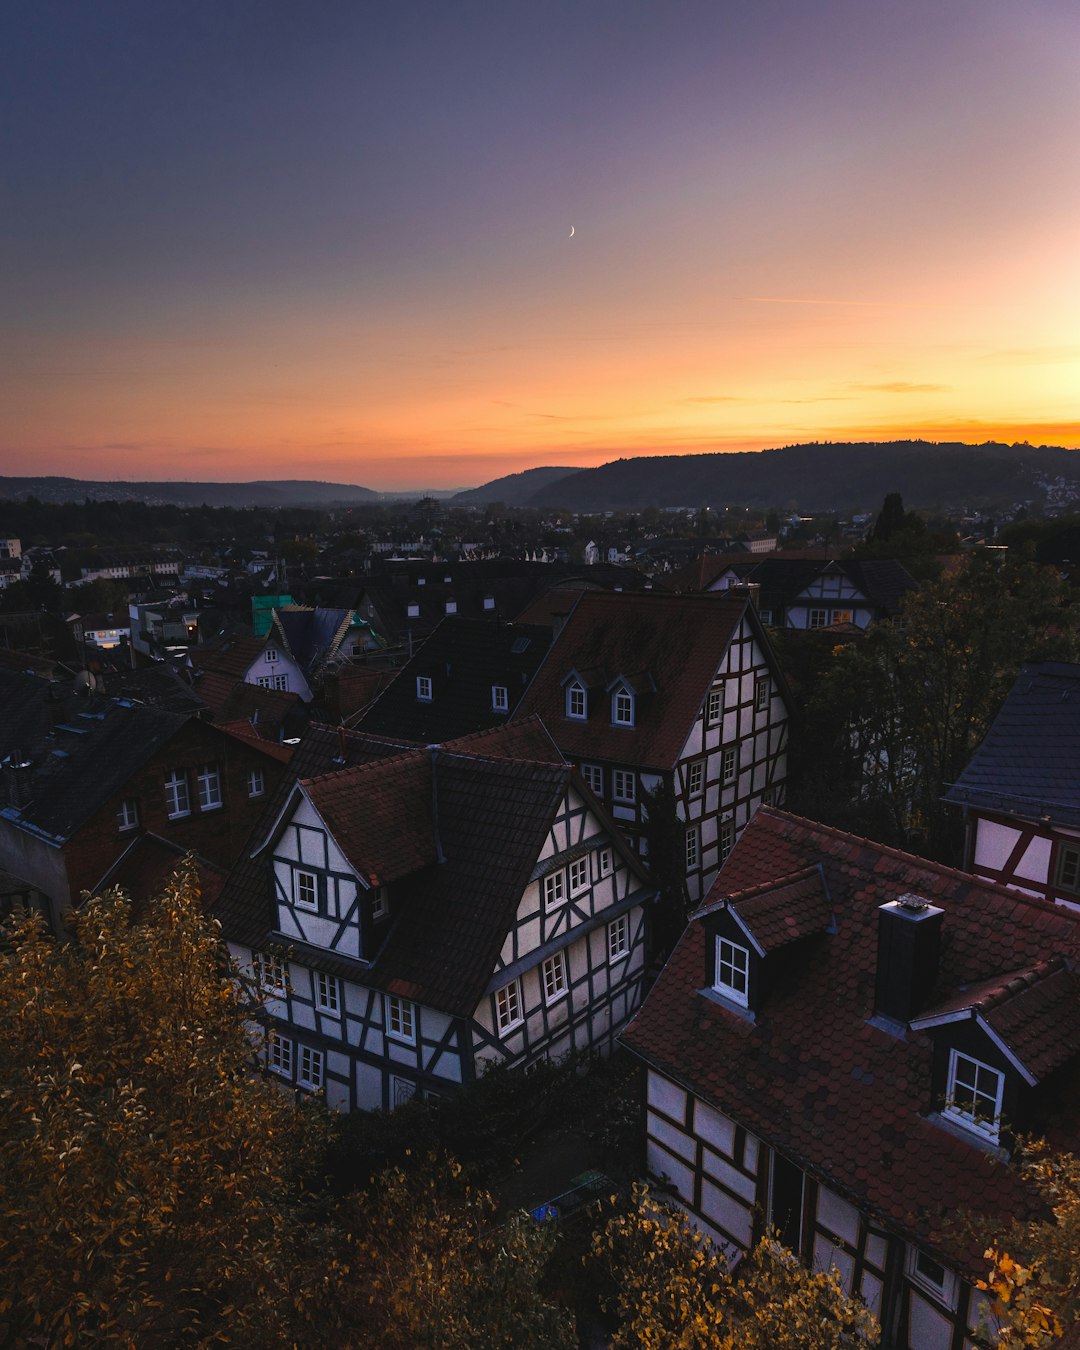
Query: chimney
(909, 946)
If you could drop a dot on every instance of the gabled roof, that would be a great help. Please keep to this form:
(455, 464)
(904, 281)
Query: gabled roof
(312, 636)
(784, 576)
(233, 656)
(679, 640)
(782, 911)
(812, 1076)
(1027, 763)
(463, 658)
(147, 865)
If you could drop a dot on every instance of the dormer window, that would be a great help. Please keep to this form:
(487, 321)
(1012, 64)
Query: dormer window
(451, 606)
(622, 708)
(500, 699)
(575, 700)
(1068, 868)
(974, 1093)
(380, 903)
(733, 971)
(414, 611)
(423, 688)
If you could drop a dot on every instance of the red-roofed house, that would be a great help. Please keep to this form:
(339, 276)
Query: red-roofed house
(641, 688)
(843, 1044)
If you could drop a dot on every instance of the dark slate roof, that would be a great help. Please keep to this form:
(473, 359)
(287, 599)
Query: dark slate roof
(463, 658)
(75, 751)
(1028, 763)
(233, 656)
(311, 635)
(784, 576)
(812, 1076)
(679, 641)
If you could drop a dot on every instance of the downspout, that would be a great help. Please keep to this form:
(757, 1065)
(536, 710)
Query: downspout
(440, 856)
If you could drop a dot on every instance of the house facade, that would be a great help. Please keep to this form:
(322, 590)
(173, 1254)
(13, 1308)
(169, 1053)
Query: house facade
(417, 916)
(843, 1045)
(645, 691)
(1020, 793)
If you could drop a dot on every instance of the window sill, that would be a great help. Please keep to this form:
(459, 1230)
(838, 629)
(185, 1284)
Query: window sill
(178, 815)
(511, 1026)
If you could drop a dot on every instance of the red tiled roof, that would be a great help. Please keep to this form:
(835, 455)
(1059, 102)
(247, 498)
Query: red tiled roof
(244, 731)
(792, 908)
(527, 740)
(678, 640)
(231, 657)
(811, 1076)
(147, 865)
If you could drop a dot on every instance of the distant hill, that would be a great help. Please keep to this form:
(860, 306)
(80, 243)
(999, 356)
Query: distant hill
(515, 489)
(825, 477)
(294, 492)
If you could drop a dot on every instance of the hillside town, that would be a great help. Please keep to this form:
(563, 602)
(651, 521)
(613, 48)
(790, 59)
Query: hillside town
(719, 812)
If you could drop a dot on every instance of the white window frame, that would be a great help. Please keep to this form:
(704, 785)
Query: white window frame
(729, 771)
(310, 1068)
(605, 863)
(509, 1007)
(817, 617)
(577, 875)
(279, 1054)
(623, 785)
(500, 698)
(714, 706)
(127, 814)
(327, 992)
(413, 611)
(272, 972)
(622, 708)
(695, 778)
(400, 1019)
(733, 958)
(208, 786)
(177, 795)
(553, 978)
(1068, 861)
(985, 1124)
(300, 877)
(380, 902)
(762, 693)
(618, 939)
(945, 1290)
(554, 890)
(692, 845)
(593, 774)
(271, 654)
(423, 688)
(256, 783)
(451, 606)
(577, 703)
(278, 682)
(725, 839)
(842, 616)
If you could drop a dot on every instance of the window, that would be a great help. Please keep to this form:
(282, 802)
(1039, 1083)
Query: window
(380, 903)
(695, 778)
(423, 688)
(279, 682)
(489, 602)
(933, 1276)
(272, 972)
(818, 618)
(305, 890)
(575, 701)
(732, 971)
(594, 778)
(554, 890)
(603, 863)
(761, 694)
(726, 840)
(127, 814)
(399, 1019)
(310, 1074)
(414, 611)
(579, 875)
(730, 764)
(177, 797)
(500, 700)
(508, 1006)
(765, 615)
(208, 781)
(1068, 868)
(841, 616)
(554, 973)
(451, 606)
(974, 1094)
(622, 709)
(714, 706)
(256, 783)
(618, 938)
(623, 785)
(693, 848)
(326, 993)
(279, 1055)
(271, 654)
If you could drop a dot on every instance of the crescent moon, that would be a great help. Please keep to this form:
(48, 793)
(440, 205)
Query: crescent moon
(571, 231)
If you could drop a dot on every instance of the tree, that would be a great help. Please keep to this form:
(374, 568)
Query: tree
(1034, 1279)
(150, 1182)
(665, 838)
(667, 1286)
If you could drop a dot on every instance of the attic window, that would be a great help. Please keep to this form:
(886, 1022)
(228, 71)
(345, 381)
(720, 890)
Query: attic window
(973, 1098)
(414, 611)
(451, 606)
(575, 701)
(271, 654)
(423, 688)
(733, 971)
(380, 903)
(489, 602)
(714, 707)
(622, 708)
(1068, 869)
(500, 701)
(761, 694)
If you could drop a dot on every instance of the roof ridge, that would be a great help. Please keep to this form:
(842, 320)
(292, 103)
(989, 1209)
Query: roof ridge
(386, 762)
(1021, 980)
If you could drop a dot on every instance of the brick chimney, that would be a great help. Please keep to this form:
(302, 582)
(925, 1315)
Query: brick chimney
(909, 948)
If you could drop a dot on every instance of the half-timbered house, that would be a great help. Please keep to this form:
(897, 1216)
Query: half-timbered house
(1020, 793)
(429, 911)
(638, 689)
(843, 1045)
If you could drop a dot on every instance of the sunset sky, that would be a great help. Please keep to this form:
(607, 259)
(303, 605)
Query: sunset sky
(331, 239)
